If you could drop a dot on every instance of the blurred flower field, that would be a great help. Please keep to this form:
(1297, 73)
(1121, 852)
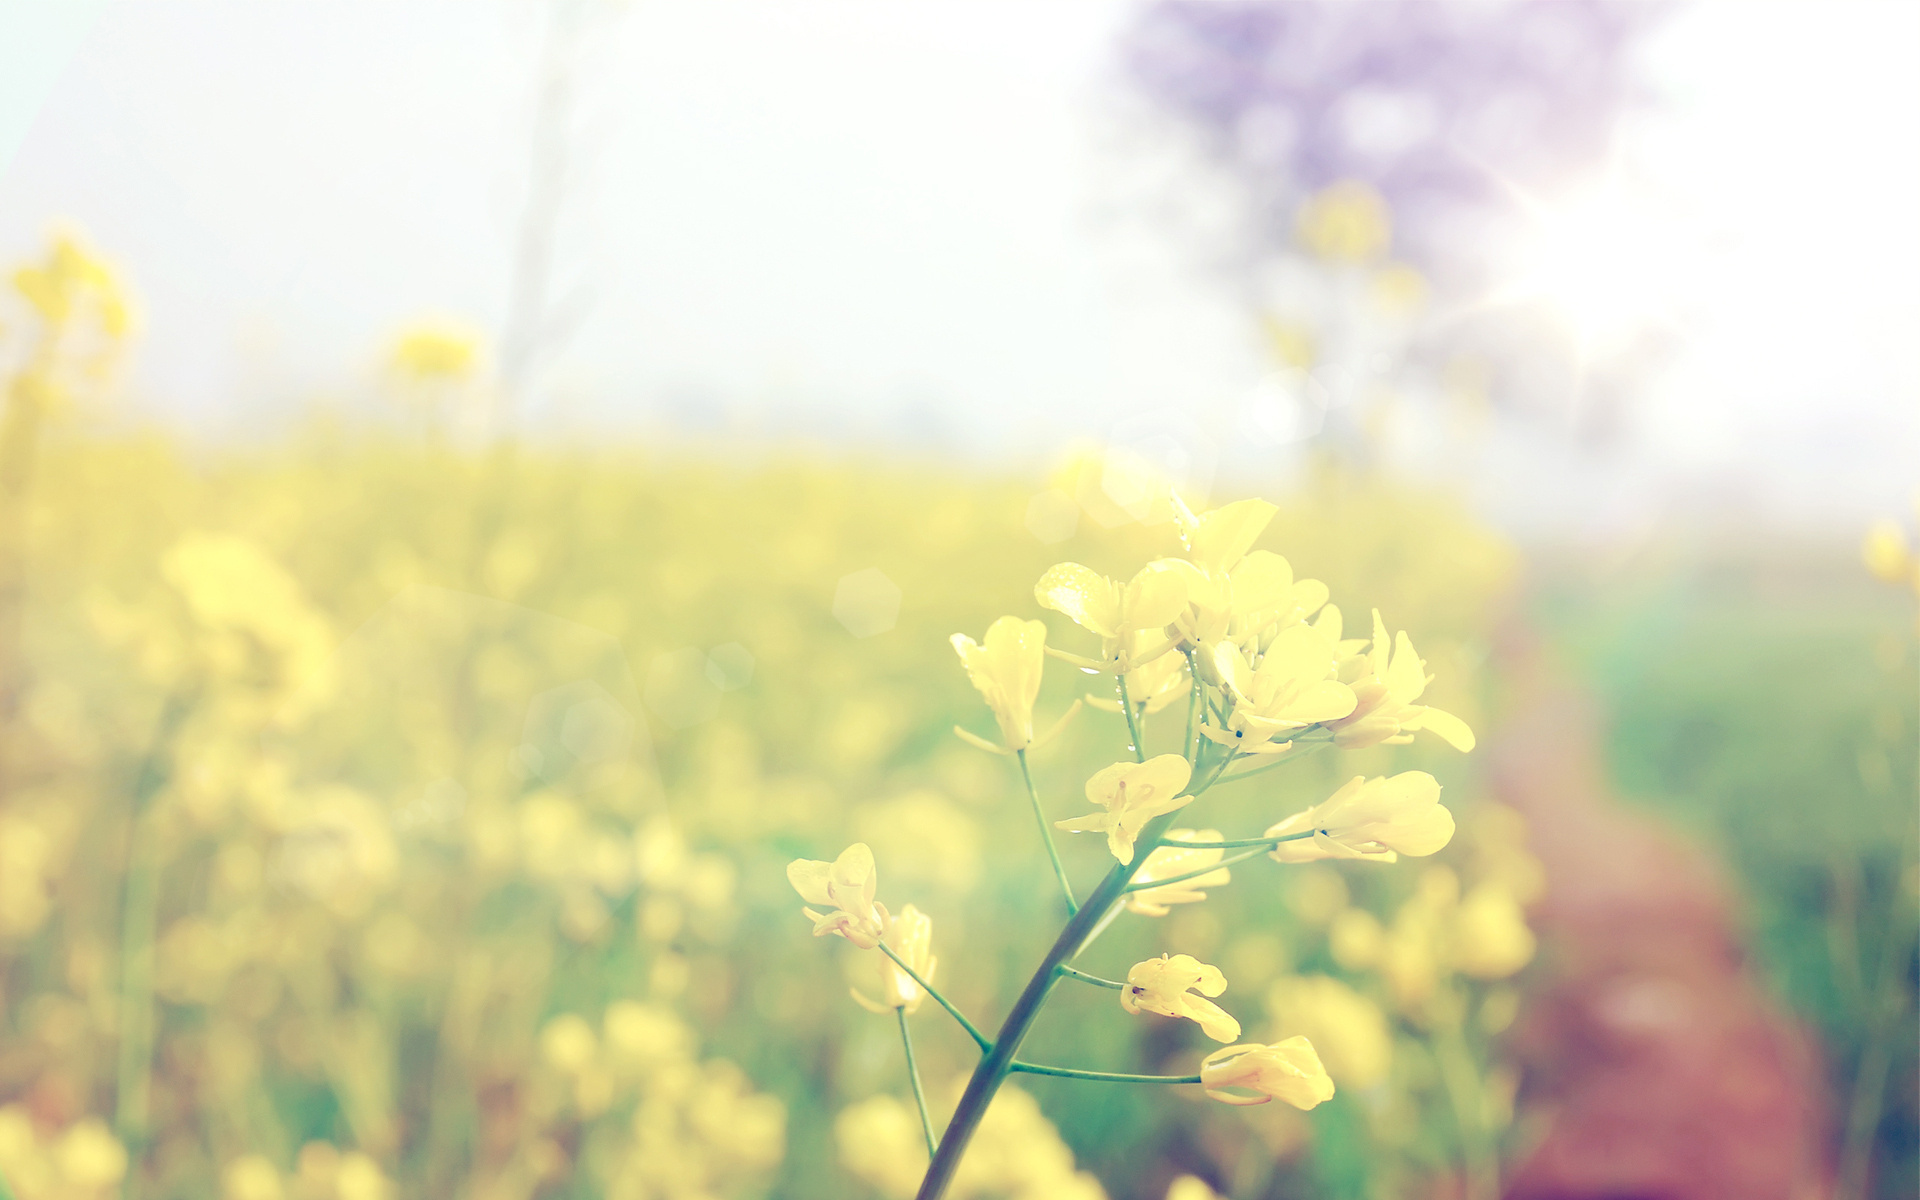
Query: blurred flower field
(388, 815)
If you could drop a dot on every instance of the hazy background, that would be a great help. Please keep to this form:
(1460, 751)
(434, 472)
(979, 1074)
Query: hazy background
(926, 224)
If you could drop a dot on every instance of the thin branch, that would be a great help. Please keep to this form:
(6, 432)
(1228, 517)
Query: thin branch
(1046, 834)
(1236, 843)
(1146, 884)
(1083, 977)
(980, 1039)
(1100, 1076)
(1133, 727)
(913, 1075)
(1193, 703)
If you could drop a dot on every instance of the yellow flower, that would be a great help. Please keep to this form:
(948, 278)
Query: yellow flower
(1169, 861)
(1887, 555)
(910, 935)
(1006, 668)
(1291, 689)
(1167, 985)
(1191, 1187)
(1288, 1070)
(1345, 222)
(1132, 794)
(1386, 711)
(1217, 541)
(1114, 611)
(1156, 682)
(1378, 819)
(847, 886)
(436, 348)
(1349, 1030)
(90, 1157)
(1490, 935)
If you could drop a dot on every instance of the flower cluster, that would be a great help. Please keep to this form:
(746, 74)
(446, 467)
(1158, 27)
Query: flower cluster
(1268, 677)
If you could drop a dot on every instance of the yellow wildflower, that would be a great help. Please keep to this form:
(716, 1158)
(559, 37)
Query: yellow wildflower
(847, 885)
(1156, 682)
(1332, 626)
(1888, 556)
(436, 348)
(1167, 985)
(1490, 935)
(911, 937)
(1006, 667)
(1114, 611)
(1132, 794)
(1290, 690)
(1345, 222)
(1169, 861)
(1379, 818)
(1349, 1030)
(89, 1156)
(1217, 541)
(1288, 1070)
(1191, 1187)
(1386, 692)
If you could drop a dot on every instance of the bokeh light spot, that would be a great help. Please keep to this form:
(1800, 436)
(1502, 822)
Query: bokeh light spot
(867, 602)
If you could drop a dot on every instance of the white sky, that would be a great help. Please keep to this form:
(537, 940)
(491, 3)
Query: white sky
(893, 219)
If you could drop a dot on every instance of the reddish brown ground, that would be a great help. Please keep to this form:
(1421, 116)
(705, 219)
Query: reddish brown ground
(1655, 1066)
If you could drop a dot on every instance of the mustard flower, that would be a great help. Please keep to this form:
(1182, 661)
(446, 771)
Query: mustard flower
(1377, 819)
(1156, 682)
(910, 935)
(1288, 1070)
(1167, 985)
(1291, 689)
(1131, 795)
(1490, 935)
(845, 885)
(1218, 540)
(1168, 861)
(1006, 667)
(1386, 692)
(1149, 601)
(1349, 1030)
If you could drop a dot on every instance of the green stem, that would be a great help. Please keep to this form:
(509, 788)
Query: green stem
(1467, 1094)
(1133, 727)
(1226, 761)
(980, 1039)
(1236, 843)
(139, 916)
(1101, 1076)
(1147, 884)
(998, 1061)
(1193, 705)
(1083, 977)
(1046, 834)
(6, 1193)
(1286, 759)
(913, 1076)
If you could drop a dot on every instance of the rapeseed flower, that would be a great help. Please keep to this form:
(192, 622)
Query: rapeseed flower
(1291, 689)
(1490, 935)
(1116, 612)
(1169, 861)
(846, 885)
(1167, 985)
(1006, 667)
(1378, 819)
(1288, 1070)
(1131, 795)
(1389, 683)
(1348, 1030)
(911, 937)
